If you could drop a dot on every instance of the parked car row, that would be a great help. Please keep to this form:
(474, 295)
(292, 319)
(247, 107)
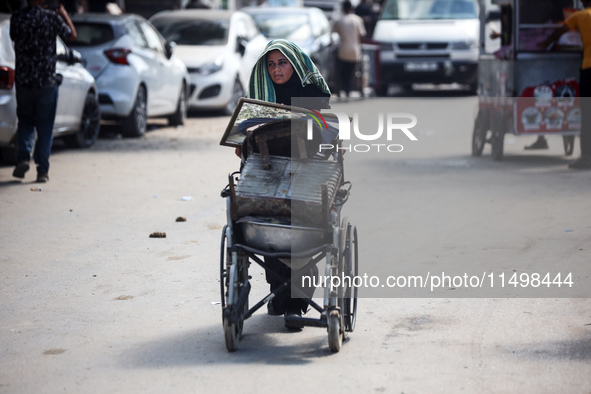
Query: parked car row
(136, 72)
(218, 47)
(128, 69)
(307, 27)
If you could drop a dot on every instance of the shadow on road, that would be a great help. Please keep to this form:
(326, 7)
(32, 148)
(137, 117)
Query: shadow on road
(575, 350)
(260, 344)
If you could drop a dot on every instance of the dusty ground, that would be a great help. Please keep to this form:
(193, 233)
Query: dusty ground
(89, 303)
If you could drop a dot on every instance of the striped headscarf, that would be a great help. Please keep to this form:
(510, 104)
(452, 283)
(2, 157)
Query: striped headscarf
(261, 87)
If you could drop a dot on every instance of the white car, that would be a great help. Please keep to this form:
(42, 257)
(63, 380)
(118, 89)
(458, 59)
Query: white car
(307, 27)
(219, 48)
(137, 74)
(77, 117)
(428, 41)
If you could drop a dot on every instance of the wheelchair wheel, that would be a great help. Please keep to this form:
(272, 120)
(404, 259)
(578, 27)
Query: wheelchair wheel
(232, 333)
(351, 267)
(339, 318)
(335, 316)
(235, 288)
(223, 268)
(335, 331)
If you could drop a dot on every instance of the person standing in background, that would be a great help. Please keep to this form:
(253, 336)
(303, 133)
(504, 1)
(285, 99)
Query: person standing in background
(368, 12)
(351, 30)
(581, 22)
(34, 30)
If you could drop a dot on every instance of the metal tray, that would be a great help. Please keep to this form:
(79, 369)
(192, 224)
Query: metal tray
(272, 235)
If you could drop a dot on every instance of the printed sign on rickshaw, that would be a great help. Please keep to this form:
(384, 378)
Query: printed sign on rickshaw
(548, 108)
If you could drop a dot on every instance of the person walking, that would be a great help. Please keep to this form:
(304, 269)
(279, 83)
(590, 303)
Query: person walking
(581, 22)
(351, 30)
(34, 30)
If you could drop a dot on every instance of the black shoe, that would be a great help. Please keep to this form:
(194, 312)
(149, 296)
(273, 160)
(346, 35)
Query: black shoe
(582, 163)
(42, 177)
(539, 144)
(291, 319)
(20, 169)
(275, 310)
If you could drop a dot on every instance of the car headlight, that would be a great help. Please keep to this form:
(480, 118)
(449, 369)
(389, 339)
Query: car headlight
(462, 45)
(211, 68)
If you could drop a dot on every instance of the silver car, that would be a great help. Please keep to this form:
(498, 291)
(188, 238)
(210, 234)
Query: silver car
(136, 72)
(307, 27)
(77, 116)
(219, 47)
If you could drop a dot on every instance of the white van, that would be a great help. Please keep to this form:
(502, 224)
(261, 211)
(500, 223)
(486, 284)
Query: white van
(428, 41)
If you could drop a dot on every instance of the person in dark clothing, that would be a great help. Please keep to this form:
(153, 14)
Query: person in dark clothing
(283, 72)
(366, 10)
(34, 30)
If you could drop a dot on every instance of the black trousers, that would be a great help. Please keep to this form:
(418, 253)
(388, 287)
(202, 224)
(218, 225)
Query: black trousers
(283, 301)
(347, 69)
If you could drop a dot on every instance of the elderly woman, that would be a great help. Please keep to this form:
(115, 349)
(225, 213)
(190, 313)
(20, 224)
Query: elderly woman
(283, 72)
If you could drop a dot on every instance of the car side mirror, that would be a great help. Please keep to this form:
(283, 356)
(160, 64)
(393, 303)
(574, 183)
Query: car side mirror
(63, 57)
(169, 48)
(241, 45)
(75, 57)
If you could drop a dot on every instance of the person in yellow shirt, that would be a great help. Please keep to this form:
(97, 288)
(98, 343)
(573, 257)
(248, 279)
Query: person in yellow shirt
(581, 22)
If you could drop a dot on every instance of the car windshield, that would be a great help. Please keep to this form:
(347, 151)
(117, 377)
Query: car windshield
(294, 27)
(193, 32)
(429, 9)
(92, 33)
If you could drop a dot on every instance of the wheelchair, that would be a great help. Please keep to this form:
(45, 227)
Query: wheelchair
(285, 203)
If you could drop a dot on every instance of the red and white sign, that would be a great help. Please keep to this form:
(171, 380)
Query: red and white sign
(548, 108)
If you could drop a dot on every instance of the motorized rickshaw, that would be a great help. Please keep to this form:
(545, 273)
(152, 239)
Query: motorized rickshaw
(525, 89)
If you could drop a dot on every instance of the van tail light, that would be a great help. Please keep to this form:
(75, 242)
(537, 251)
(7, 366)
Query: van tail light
(6, 77)
(118, 55)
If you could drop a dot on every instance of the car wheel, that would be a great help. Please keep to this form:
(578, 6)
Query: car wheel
(90, 124)
(136, 123)
(9, 154)
(178, 118)
(237, 93)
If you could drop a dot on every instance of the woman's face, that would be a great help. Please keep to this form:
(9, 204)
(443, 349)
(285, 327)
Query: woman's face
(279, 67)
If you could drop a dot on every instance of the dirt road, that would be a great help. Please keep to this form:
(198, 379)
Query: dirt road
(89, 303)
